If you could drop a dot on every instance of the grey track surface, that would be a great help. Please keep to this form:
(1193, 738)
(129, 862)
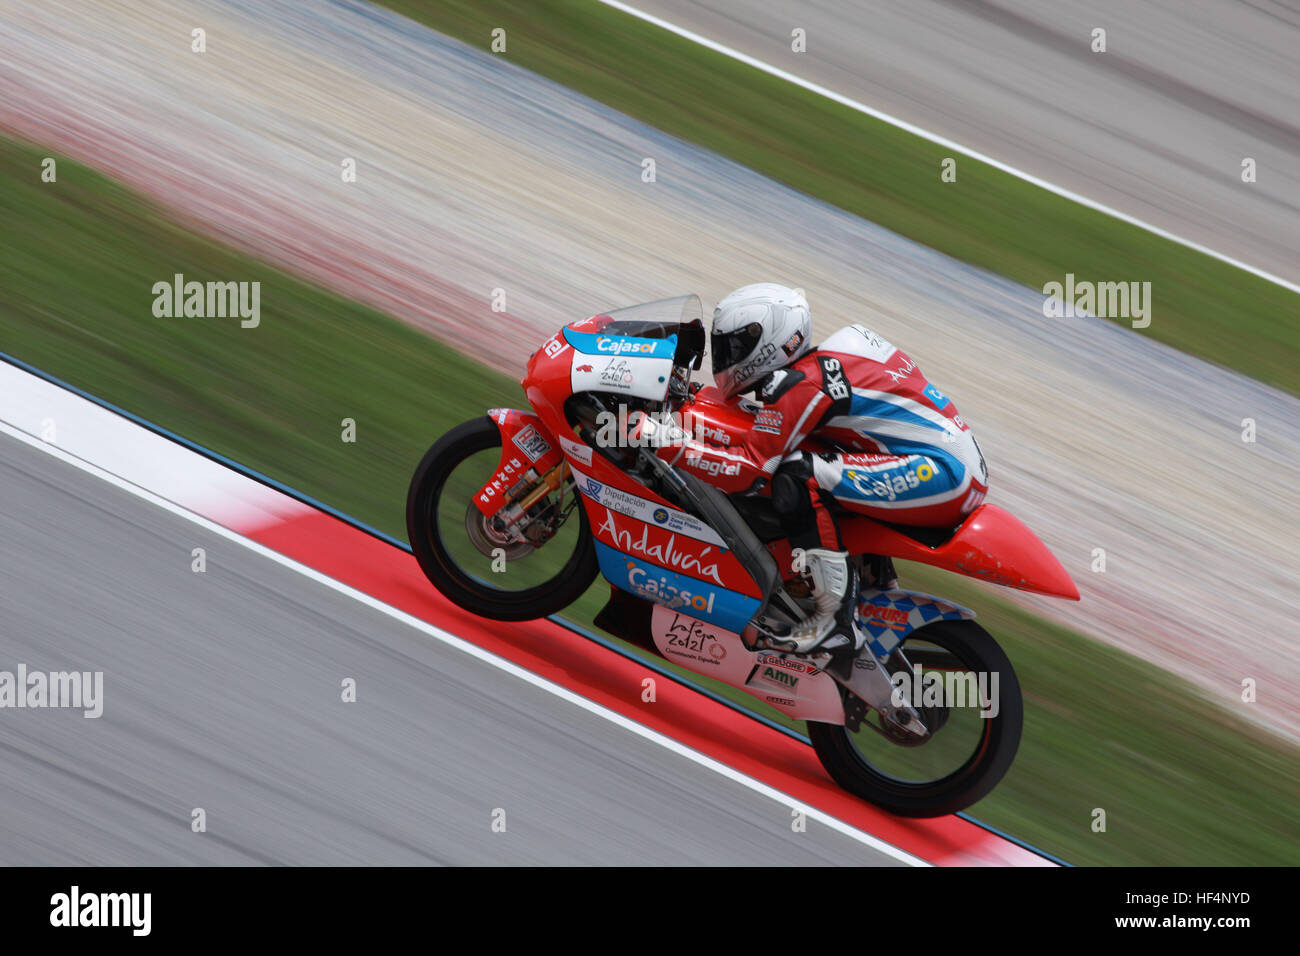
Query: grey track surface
(1155, 127)
(222, 691)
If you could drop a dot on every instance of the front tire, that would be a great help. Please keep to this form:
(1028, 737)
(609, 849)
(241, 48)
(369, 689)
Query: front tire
(975, 649)
(426, 530)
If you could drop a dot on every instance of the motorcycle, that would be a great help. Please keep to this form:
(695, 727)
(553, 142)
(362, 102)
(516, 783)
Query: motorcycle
(511, 516)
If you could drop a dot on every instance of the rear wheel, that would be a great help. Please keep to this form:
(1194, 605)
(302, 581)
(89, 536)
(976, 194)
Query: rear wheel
(469, 558)
(965, 754)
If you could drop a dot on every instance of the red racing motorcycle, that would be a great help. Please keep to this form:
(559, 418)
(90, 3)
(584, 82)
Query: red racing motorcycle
(511, 516)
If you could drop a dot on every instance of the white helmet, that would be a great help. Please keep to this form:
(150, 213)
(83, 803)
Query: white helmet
(756, 330)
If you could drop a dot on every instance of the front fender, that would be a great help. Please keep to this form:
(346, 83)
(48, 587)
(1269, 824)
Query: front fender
(888, 617)
(528, 451)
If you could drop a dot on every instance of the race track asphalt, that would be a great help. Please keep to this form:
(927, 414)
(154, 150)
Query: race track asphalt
(222, 691)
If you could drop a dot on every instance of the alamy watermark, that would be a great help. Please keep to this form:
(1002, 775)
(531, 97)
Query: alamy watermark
(638, 429)
(79, 690)
(208, 300)
(1103, 300)
(130, 910)
(947, 688)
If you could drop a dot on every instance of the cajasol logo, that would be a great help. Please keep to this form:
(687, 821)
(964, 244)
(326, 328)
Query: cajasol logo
(679, 592)
(591, 343)
(936, 396)
(659, 588)
(623, 346)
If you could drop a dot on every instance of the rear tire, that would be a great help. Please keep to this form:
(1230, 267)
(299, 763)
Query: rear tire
(464, 590)
(978, 651)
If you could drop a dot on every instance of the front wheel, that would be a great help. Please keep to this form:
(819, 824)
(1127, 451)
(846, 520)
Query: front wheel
(468, 560)
(974, 713)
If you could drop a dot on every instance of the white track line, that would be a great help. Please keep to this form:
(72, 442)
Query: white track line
(941, 140)
(473, 650)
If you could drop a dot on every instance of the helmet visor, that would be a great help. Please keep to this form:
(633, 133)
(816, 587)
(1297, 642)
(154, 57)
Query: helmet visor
(732, 347)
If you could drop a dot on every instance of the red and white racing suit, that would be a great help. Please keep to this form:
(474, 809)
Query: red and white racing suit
(896, 448)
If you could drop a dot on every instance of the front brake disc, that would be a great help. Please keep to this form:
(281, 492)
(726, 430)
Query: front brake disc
(486, 539)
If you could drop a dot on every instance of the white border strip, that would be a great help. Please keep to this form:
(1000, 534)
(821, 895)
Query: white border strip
(942, 141)
(473, 650)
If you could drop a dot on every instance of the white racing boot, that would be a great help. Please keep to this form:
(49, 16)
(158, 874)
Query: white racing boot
(833, 626)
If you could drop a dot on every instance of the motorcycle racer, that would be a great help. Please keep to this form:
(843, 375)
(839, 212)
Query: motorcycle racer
(896, 447)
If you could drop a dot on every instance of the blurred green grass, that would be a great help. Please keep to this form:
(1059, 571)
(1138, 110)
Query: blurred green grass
(1183, 781)
(877, 171)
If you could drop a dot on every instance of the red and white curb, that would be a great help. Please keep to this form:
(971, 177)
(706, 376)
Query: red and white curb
(337, 555)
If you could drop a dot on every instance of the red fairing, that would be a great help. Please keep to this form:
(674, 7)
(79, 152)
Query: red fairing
(528, 449)
(992, 545)
(546, 381)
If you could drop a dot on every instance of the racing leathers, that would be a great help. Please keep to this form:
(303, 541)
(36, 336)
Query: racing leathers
(896, 448)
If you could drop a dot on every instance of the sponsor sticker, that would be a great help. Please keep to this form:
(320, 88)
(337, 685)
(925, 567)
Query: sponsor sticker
(618, 345)
(690, 638)
(617, 374)
(769, 420)
(531, 443)
(892, 617)
(713, 466)
(904, 370)
(833, 379)
(709, 433)
(787, 663)
(642, 376)
(645, 510)
(678, 592)
(554, 346)
(934, 395)
(886, 485)
(576, 450)
(756, 362)
(510, 473)
(687, 557)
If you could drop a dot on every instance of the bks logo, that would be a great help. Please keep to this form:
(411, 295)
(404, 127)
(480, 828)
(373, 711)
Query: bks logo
(833, 379)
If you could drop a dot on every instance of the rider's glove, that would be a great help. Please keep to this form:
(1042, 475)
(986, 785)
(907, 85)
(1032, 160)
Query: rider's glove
(658, 432)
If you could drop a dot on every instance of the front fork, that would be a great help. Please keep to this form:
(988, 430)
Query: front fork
(514, 516)
(866, 684)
